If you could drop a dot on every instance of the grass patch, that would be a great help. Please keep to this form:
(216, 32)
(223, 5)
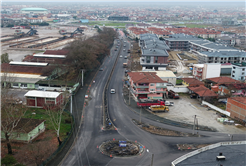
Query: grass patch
(179, 82)
(194, 25)
(41, 114)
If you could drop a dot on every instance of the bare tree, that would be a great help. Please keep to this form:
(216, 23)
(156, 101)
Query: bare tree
(11, 110)
(55, 115)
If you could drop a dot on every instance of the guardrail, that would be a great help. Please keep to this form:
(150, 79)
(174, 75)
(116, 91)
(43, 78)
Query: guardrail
(106, 117)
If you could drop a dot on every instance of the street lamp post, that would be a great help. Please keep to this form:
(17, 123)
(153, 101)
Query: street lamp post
(82, 81)
(152, 158)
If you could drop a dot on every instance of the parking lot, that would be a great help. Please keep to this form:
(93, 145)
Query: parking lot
(185, 109)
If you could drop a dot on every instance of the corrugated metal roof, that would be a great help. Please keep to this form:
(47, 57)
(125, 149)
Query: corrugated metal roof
(44, 94)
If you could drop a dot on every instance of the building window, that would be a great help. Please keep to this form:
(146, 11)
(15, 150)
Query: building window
(243, 69)
(158, 93)
(233, 71)
(152, 84)
(233, 75)
(33, 98)
(152, 90)
(243, 73)
(23, 85)
(15, 84)
(50, 99)
(148, 59)
(156, 59)
(242, 78)
(234, 67)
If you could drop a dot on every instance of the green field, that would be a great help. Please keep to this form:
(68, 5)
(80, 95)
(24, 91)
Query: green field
(108, 23)
(41, 114)
(194, 25)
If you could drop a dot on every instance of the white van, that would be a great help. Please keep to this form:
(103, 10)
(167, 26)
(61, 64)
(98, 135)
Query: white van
(112, 91)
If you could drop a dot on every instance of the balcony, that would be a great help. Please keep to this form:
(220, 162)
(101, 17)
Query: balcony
(199, 71)
(141, 86)
(161, 86)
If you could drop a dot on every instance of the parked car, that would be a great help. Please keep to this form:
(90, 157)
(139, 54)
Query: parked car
(101, 69)
(121, 56)
(125, 57)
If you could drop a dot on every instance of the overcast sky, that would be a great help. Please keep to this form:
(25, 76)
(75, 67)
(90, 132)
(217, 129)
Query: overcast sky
(138, 2)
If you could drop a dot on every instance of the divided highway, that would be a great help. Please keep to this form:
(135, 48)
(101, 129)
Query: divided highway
(86, 151)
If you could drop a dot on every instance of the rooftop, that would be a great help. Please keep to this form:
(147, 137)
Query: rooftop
(44, 94)
(223, 80)
(239, 99)
(26, 125)
(202, 91)
(192, 81)
(156, 52)
(235, 53)
(145, 77)
(233, 151)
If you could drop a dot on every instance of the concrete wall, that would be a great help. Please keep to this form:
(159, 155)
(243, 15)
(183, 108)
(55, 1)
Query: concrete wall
(178, 89)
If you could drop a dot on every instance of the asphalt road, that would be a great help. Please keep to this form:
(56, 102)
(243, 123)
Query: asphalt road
(86, 152)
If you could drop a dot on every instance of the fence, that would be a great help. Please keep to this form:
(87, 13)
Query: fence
(216, 108)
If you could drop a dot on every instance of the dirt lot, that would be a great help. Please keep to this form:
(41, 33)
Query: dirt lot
(18, 55)
(185, 109)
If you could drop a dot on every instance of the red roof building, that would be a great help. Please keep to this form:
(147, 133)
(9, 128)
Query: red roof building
(147, 85)
(191, 82)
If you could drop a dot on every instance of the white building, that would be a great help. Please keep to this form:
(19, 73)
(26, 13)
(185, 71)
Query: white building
(207, 70)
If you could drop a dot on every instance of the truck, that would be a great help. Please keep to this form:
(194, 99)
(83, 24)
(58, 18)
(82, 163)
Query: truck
(159, 108)
(149, 103)
(173, 95)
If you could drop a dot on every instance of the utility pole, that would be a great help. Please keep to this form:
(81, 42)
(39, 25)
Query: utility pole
(82, 78)
(194, 125)
(152, 160)
(140, 114)
(71, 105)
(129, 97)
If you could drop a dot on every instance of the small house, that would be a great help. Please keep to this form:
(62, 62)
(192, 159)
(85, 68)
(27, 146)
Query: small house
(39, 99)
(26, 130)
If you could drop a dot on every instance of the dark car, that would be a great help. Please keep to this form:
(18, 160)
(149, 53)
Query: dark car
(101, 69)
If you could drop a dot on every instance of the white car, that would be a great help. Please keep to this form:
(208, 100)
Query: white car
(112, 91)
(121, 56)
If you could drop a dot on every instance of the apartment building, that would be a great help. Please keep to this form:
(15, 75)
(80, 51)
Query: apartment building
(180, 41)
(239, 71)
(154, 59)
(208, 70)
(147, 85)
(226, 56)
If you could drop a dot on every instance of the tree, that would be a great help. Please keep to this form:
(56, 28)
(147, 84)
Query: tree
(11, 110)
(55, 114)
(161, 38)
(5, 58)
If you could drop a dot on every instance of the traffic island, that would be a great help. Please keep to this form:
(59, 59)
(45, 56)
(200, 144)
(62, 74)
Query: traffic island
(121, 148)
(162, 131)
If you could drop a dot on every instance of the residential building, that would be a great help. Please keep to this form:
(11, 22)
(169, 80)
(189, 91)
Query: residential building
(26, 130)
(39, 99)
(166, 75)
(180, 41)
(35, 20)
(225, 69)
(236, 56)
(226, 40)
(201, 92)
(239, 71)
(147, 85)
(241, 41)
(219, 80)
(208, 46)
(207, 70)
(154, 59)
(120, 18)
(233, 89)
(237, 107)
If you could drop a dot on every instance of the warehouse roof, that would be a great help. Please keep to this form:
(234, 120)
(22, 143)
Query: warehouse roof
(33, 9)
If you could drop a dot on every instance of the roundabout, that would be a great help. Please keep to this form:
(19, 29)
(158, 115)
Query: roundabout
(121, 148)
